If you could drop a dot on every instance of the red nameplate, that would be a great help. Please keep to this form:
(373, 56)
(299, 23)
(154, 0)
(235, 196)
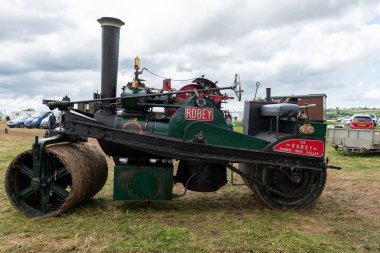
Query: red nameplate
(301, 147)
(199, 113)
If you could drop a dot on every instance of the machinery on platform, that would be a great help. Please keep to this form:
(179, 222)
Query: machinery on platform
(280, 155)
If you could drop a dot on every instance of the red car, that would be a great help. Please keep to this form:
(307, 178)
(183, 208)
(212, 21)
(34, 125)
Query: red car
(362, 122)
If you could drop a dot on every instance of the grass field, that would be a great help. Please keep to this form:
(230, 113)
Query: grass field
(334, 113)
(345, 219)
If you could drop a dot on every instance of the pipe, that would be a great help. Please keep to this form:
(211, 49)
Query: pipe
(268, 98)
(52, 104)
(110, 55)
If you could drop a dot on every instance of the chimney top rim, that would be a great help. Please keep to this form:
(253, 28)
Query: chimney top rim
(110, 21)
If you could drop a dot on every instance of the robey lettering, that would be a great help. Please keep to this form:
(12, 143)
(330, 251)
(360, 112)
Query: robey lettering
(199, 113)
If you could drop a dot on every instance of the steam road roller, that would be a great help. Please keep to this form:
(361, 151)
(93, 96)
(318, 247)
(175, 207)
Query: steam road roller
(280, 155)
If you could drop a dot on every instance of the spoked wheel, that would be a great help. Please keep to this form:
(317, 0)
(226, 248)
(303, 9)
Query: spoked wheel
(283, 187)
(71, 173)
(33, 199)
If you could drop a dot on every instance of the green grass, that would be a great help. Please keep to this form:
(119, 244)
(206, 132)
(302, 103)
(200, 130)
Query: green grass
(238, 127)
(345, 219)
(334, 112)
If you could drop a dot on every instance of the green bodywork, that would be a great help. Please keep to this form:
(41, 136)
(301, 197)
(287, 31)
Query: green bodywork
(137, 125)
(141, 125)
(215, 132)
(131, 103)
(320, 129)
(155, 182)
(143, 182)
(217, 136)
(178, 123)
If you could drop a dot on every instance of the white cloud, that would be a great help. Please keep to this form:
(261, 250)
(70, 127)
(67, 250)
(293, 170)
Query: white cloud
(50, 49)
(372, 94)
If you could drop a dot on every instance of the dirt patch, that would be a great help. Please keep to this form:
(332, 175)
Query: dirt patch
(22, 133)
(27, 243)
(348, 190)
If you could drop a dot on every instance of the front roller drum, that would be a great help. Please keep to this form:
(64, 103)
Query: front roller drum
(71, 173)
(283, 187)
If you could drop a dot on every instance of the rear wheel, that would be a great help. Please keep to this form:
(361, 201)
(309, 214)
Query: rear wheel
(21, 125)
(284, 187)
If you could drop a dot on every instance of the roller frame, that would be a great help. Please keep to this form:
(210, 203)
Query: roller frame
(38, 162)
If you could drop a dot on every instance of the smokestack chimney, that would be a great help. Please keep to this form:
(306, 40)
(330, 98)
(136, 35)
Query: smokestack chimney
(110, 55)
(267, 99)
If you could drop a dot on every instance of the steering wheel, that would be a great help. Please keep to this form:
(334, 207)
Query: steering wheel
(236, 87)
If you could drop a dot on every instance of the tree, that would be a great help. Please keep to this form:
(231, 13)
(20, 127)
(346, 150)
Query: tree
(337, 110)
(29, 110)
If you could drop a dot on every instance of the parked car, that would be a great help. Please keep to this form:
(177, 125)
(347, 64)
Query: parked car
(17, 122)
(374, 119)
(45, 121)
(335, 126)
(346, 120)
(35, 119)
(362, 121)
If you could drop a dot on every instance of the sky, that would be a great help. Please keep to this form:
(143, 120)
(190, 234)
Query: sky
(50, 49)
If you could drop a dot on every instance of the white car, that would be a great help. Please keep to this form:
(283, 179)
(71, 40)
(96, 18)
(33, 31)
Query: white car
(335, 126)
(45, 121)
(347, 120)
(374, 118)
